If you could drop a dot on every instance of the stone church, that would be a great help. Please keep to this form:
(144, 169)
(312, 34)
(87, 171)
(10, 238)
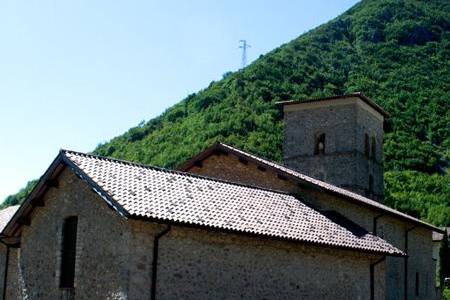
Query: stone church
(227, 224)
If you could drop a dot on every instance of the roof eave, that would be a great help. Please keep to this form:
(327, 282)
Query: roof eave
(399, 253)
(359, 95)
(199, 157)
(39, 190)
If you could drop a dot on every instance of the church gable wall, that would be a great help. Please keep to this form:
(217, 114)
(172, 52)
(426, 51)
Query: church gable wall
(102, 247)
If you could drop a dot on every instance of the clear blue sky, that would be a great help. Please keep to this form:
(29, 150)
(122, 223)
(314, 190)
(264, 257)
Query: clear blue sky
(77, 73)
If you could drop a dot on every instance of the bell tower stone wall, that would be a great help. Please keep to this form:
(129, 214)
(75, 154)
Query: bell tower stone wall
(338, 140)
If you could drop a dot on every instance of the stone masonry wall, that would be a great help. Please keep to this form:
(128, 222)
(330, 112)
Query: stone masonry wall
(390, 228)
(103, 247)
(199, 264)
(301, 127)
(339, 126)
(2, 266)
(344, 162)
(228, 167)
(141, 258)
(368, 124)
(421, 264)
(14, 284)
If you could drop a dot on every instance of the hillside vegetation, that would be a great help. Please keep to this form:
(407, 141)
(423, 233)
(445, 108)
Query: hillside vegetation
(396, 52)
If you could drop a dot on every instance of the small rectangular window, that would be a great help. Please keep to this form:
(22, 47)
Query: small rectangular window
(417, 283)
(374, 148)
(366, 145)
(68, 252)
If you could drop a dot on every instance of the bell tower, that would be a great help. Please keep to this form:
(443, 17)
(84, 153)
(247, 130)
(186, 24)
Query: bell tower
(338, 140)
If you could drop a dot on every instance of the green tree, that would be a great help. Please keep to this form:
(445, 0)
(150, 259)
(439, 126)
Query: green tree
(20, 196)
(396, 52)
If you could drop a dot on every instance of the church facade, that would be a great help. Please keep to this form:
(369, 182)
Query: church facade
(227, 224)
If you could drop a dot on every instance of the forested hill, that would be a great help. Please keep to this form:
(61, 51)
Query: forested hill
(396, 52)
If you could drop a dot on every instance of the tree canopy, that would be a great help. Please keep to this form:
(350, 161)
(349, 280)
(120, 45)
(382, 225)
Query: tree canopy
(396, 52)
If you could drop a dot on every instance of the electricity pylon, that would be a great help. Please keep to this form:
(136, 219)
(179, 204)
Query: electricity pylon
(244, 47)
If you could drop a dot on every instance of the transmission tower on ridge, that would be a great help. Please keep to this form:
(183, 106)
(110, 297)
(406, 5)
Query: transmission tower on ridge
(243, 45)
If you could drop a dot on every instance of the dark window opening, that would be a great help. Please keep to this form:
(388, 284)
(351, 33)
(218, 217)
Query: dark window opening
(320, 144)
(366, 145)
(417, 283)
(374, 147)
(68, 252)
(370, 184)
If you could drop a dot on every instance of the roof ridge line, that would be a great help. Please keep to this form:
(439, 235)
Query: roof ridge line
(360, 95)
(63, 151)
(352, 94)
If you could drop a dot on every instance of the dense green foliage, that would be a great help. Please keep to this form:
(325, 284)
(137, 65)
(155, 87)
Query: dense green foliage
(396, 52)
(447, 294)
(421, 195)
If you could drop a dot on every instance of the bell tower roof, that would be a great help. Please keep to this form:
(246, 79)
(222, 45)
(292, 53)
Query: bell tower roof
(340, 99)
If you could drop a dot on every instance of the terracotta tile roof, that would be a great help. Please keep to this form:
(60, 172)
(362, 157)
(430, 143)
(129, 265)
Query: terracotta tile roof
(169, 196)
(6, 214)
(312, 181)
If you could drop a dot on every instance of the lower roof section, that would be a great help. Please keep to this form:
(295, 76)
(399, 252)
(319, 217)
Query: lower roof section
(312, 182)
(6, 214)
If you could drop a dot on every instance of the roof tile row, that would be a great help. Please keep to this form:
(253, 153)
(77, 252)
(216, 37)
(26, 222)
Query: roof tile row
(327, 186)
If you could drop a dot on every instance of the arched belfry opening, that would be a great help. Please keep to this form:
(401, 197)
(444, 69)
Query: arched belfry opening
(320, 144)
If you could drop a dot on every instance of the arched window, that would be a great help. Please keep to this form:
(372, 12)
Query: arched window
(320, 144)
(370, 183)
(68, 252)
(374, 147)
(366, 145)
